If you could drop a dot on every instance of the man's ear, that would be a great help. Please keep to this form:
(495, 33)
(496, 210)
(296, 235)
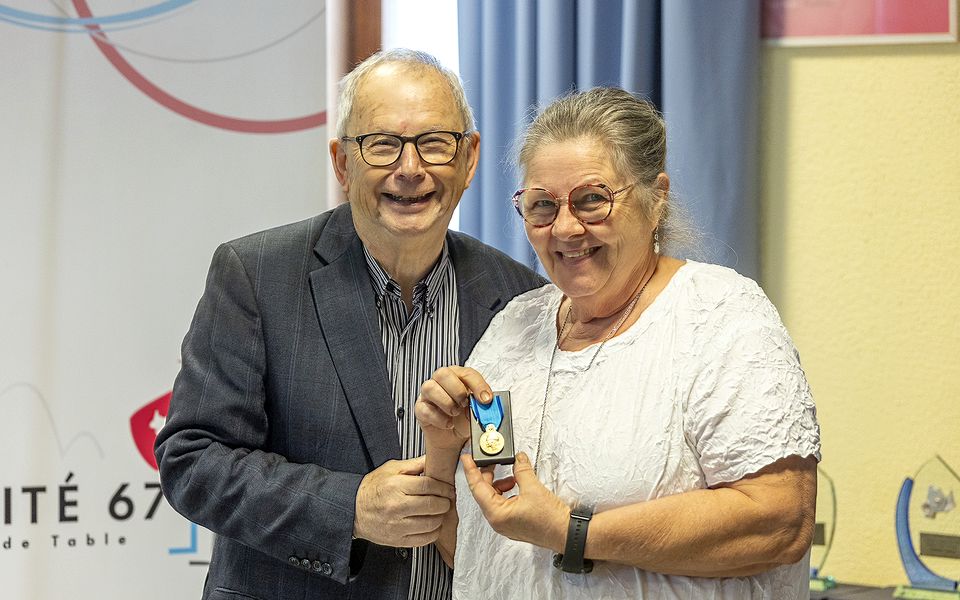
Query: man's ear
(338, 157)
(473, 155)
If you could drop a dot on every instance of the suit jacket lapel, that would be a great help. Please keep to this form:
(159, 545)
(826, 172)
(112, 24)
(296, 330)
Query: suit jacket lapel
(345, 305)
(478, 293)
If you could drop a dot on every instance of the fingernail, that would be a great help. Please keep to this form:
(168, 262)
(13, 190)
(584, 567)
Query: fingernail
(487, 397)
(522, 457)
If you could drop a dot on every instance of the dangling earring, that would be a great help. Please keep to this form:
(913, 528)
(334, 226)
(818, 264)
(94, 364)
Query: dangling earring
(656, 240)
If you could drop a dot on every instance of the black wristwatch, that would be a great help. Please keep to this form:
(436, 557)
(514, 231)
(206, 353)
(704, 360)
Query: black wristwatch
(572, 561)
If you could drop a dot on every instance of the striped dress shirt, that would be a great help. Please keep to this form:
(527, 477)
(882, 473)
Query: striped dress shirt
(417, 343)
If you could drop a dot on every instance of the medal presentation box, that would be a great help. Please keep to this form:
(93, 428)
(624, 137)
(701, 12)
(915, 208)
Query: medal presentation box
(928, 519)
(491, 430)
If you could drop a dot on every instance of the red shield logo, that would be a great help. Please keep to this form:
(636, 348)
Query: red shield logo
(146, 423)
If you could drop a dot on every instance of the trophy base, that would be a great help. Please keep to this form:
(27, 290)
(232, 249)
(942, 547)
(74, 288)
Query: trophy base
(912, 593)
(822, 584)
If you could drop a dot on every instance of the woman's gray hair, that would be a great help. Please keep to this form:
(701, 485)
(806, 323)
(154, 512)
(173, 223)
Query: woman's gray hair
(414, 59)
(636, 135)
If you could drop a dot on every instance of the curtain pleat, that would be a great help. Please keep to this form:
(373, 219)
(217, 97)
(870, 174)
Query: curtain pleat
(697, 61)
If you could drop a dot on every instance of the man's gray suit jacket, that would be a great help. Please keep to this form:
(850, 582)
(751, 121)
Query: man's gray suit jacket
(283, 404)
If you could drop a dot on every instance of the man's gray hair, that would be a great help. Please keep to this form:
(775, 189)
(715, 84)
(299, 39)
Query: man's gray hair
(414, 59)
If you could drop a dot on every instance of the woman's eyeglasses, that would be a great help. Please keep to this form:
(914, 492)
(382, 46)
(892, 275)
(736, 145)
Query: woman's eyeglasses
(590, 204)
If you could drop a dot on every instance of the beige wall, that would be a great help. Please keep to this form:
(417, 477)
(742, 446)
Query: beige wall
(861, 253)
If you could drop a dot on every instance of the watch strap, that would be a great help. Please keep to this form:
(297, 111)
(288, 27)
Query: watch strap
(572, 561)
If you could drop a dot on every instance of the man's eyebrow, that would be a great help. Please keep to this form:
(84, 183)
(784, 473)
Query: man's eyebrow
(428, 129)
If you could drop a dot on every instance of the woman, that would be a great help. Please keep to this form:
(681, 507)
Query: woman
(665, 395)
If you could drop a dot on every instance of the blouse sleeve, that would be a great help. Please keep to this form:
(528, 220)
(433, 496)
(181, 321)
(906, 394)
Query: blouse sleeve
(749, 404)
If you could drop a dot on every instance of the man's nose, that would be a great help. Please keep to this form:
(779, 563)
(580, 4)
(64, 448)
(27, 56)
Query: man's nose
(410, 164)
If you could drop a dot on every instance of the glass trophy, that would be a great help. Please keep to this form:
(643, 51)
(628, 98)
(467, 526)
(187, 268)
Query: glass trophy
(823, 532)
(928, 519)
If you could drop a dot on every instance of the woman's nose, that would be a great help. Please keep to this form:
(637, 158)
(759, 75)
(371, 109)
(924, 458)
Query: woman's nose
(566, 225)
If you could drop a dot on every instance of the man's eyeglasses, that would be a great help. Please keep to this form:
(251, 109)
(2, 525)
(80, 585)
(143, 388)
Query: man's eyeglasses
(590, 204)
(383, 149)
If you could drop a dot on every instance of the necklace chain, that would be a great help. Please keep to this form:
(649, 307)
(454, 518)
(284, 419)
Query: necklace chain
(566, 321)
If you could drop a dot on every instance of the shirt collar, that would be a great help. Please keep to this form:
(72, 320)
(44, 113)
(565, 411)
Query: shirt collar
(426, 290)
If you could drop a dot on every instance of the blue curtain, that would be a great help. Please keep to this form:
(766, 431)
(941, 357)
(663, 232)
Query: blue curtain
(697, 60)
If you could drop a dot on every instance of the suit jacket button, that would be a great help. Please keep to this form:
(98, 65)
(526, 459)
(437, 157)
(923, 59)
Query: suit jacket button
(326, 569)
(293, 560)
(305, 563)
(317, 566)
(402, 553)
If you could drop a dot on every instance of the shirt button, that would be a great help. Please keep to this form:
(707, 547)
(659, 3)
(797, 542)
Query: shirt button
(326, 569)
(400, 412)
(402, 553)
(293, 560)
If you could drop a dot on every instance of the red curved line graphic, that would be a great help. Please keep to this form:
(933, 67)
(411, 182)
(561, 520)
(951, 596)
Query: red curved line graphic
(187, 110)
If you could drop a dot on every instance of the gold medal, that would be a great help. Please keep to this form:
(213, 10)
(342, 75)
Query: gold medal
(491, 442)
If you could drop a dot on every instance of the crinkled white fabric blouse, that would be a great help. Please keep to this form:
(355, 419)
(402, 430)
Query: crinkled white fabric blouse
(706, 387)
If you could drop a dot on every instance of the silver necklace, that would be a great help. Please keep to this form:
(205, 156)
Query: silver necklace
(556, 347)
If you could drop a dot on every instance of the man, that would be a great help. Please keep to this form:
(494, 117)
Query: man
(291, 431)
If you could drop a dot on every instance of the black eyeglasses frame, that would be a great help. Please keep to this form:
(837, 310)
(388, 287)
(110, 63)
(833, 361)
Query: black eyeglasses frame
(407, 139)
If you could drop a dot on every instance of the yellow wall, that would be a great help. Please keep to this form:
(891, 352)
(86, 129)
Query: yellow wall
(861, 254)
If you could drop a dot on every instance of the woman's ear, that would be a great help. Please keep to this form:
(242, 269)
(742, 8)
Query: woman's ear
(662, 183)
(661, 190)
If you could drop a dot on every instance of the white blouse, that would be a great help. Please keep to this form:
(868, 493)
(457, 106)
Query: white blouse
(706, 387)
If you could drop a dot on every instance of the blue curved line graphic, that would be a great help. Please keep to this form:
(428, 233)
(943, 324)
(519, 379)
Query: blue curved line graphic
(100, 36)
(133, 15)
(82, 29)
(919, 574)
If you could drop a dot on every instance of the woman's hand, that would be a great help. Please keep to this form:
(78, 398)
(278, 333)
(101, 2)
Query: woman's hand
(535, 515)
(442, 407)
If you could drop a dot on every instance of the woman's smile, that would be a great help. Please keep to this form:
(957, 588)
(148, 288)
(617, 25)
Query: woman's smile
(571, 254)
